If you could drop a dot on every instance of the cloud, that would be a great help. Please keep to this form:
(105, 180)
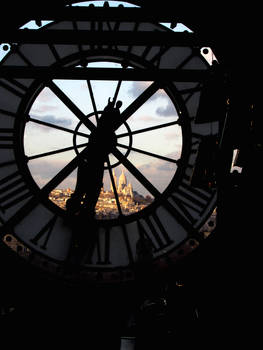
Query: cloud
(161, 165)
(46, 95)
(65, 122)
(143, 118)
(45, 102)
(166, 167)
(44, 170)
(138, 87)
(159, 172)
(167, 111)
(54, 120)
(43, 108)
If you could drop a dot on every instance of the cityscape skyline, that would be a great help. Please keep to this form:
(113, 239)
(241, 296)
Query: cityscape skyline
(106, 208)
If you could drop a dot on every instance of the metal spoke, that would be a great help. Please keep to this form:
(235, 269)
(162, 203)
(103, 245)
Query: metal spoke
(63, 173)
(148, 153)
(160, 126)
(136, 173)
(93, 100)
(61, 150)
(73, 108)
(43, 192)
(30, 119)
(138, 102)
(117, 92)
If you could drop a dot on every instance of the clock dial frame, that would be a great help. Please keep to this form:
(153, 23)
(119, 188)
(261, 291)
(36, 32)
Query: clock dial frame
(173, 225)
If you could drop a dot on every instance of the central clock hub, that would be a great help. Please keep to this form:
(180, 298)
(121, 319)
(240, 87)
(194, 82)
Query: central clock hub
(105, 138)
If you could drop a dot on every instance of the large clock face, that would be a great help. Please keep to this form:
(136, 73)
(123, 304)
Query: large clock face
(147, 164)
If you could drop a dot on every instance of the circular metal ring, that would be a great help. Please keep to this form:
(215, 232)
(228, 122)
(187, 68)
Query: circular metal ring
(111, 165)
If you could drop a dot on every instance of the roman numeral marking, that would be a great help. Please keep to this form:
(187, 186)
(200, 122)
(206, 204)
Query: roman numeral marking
(196, 140)
(98, 251)
(113, 27)
(153, 230)
(192, 158)
(135, 29)
(146, 51)
(13, 86)
(8, 113)
(12, 191)
(154, 54)
(54, 52)
(22, 56)
(44, 234)
(75, 26)
(7, 163)
(6, 138)
(156, 59)
(189, 202)
(127, 244)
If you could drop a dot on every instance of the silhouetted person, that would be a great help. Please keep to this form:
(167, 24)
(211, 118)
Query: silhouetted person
(82, 203)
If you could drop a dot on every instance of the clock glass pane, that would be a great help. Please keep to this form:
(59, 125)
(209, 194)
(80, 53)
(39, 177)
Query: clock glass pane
(147, 144)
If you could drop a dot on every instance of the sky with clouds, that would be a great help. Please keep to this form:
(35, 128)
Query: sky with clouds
(48, 108)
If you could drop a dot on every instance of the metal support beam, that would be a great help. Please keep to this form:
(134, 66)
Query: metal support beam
(46, 73)
(91, 37)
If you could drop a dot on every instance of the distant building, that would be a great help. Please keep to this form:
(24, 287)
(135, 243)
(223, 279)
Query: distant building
(106, 207)
(122, 186)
